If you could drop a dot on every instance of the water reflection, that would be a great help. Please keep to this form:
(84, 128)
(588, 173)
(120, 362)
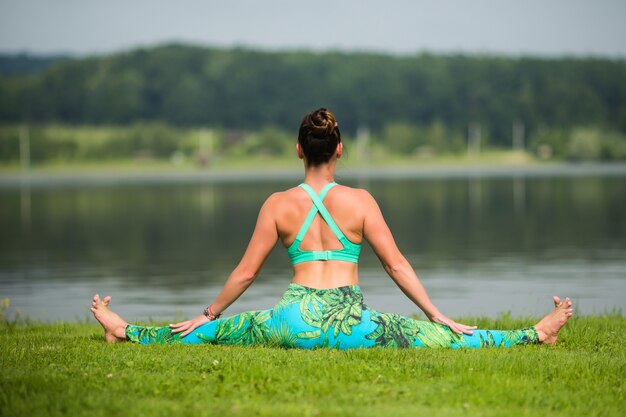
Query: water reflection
(519, 194)
(475, 196)
(25, 204)
(481, 245)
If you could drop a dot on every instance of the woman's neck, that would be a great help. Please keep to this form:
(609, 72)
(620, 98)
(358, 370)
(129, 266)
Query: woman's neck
(320, 175)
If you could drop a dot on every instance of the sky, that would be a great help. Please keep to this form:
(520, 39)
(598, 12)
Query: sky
(529, 27)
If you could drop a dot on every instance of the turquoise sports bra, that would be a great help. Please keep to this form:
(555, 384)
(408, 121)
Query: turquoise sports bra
(350, 251)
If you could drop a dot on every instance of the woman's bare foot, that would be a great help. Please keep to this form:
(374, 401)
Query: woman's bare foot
(549, 326)
(114, 325)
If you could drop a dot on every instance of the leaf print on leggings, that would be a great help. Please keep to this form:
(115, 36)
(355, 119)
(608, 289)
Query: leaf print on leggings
(281, 333)
(330, 318)
(249, 328)
(309, 303)
(520, 337)
(393, 330)
(343, 311)
(150, 334)
(488, 341)
(436, 335)
(338, 309)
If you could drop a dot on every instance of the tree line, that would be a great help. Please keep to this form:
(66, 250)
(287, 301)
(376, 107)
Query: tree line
(243, 89)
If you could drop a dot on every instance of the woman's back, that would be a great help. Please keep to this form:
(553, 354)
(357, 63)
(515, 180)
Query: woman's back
(347, 208)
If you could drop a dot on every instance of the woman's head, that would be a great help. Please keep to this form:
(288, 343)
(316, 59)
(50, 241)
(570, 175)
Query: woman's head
(319, 136)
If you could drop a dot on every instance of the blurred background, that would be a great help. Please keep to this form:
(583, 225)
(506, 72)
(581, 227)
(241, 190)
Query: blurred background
(138, 141)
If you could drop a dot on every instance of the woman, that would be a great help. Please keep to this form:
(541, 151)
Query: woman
(322, 225)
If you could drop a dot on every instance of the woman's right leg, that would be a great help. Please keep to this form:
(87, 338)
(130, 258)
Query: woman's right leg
(397, 330)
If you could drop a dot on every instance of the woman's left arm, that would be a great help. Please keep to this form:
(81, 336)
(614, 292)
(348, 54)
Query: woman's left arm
(261, 244)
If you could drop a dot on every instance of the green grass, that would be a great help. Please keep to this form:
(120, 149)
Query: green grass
(66, 369)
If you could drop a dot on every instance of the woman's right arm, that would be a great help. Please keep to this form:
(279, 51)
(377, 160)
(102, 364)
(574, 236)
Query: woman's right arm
(378, 235)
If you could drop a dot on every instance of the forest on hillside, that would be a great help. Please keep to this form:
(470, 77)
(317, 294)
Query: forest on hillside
(405, 101)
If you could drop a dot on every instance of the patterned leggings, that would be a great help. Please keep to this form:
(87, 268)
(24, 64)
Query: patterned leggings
(309, 318)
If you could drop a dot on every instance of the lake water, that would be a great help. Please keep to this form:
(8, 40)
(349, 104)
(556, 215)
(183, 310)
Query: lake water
(481, 244)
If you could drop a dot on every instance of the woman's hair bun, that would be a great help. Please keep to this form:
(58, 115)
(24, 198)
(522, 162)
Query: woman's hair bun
(318, 136)
(323, 123)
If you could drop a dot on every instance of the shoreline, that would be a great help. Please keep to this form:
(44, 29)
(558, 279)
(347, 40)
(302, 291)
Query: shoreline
(107, 177)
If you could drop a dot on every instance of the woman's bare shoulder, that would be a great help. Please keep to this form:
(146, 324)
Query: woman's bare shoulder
(360, 195)
(287, 194)
(279, 199)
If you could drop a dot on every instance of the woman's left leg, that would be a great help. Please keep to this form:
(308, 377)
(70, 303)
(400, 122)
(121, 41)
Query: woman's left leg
(248, 328)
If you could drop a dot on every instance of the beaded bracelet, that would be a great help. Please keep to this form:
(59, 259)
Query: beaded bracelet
(208, 312)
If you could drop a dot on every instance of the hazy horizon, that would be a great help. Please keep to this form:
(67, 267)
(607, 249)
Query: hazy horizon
(560, 28)
(75, 55)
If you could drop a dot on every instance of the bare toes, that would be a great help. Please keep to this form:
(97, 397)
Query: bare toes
(106, 300)
(557, 301)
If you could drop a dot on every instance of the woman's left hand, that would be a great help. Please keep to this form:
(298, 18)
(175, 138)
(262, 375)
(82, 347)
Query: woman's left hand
(453, 325)
(188, 326)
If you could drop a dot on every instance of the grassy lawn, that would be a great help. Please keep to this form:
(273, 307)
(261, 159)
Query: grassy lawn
(66, 369)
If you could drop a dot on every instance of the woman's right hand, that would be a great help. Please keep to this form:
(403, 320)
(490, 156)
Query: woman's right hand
(453, 325)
